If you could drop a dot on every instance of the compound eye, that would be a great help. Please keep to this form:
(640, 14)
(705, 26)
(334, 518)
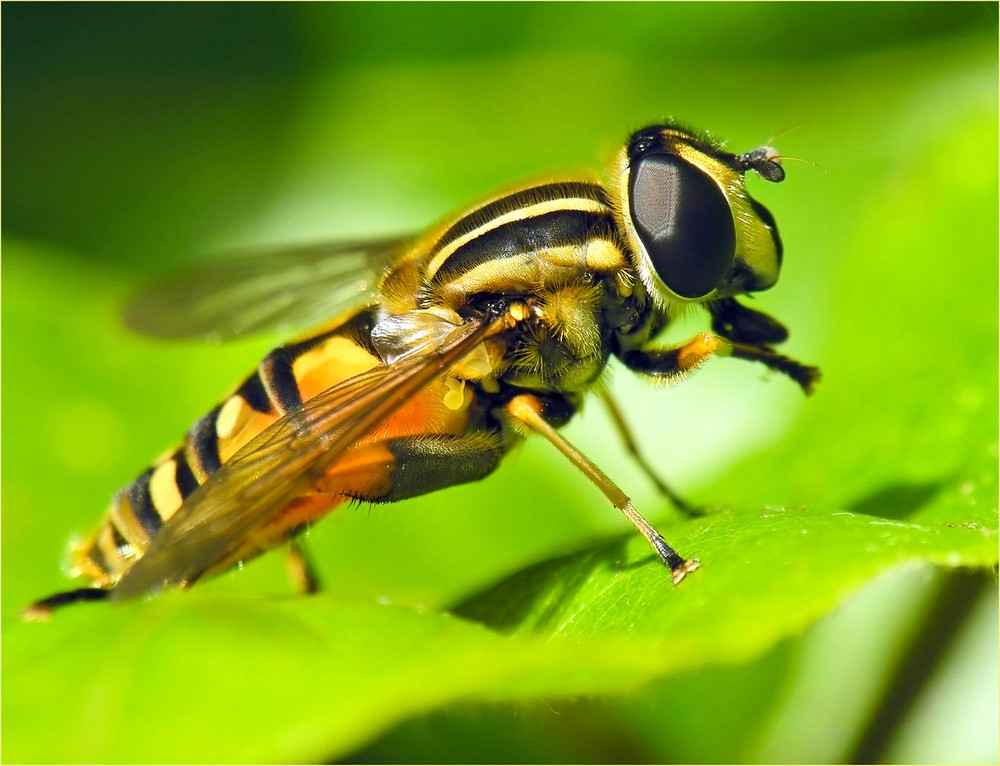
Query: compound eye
(684, 222)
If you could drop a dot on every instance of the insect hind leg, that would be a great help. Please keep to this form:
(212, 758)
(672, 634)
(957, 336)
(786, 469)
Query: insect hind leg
(301, 571)
(42, 610)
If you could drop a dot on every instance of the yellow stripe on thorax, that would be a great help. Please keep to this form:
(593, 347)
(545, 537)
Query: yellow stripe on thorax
(582, 204)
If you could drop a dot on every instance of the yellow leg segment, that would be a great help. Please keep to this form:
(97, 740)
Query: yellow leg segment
(527, 410)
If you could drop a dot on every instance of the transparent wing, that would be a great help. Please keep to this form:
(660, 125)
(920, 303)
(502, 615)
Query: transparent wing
(263, 290)
(283, 461)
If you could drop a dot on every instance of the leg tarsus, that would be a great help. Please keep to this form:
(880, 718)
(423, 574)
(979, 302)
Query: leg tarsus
(802, 374)
(679, 566)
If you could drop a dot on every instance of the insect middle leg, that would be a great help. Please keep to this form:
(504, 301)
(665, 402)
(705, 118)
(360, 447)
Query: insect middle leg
(527, 410)
(671, 364)
(625, 433)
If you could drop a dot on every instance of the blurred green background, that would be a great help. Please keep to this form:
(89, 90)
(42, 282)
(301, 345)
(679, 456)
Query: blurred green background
(136, 137)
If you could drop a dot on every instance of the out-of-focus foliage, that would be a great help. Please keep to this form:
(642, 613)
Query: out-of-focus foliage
(138, 136)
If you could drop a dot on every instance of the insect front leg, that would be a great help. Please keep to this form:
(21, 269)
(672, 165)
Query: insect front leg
(677, 362)
(802, 374)
(752, 334)
(527, 410)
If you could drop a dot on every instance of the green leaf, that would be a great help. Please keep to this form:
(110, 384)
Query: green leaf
(278, 679)
(792, 565)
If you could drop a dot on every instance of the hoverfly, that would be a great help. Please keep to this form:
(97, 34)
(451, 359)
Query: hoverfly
(447, 349)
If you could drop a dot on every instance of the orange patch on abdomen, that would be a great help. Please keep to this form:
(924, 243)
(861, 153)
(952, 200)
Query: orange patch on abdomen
(333, 361)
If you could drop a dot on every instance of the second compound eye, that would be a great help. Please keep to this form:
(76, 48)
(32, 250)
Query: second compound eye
(684, 223)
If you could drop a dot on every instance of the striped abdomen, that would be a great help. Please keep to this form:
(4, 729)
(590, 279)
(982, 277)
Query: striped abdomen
(285, 378)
